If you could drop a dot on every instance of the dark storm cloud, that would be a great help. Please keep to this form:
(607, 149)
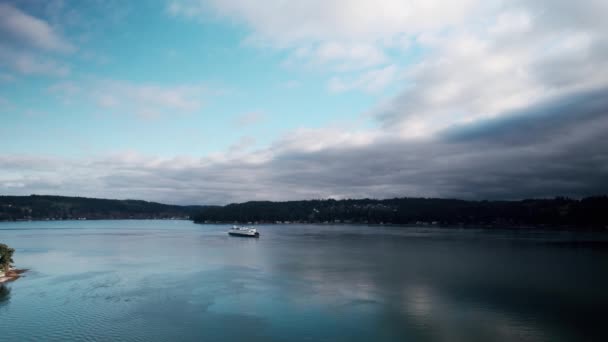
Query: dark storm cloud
(556, 148)
(536, 154)
(559, 147)
(560, 118)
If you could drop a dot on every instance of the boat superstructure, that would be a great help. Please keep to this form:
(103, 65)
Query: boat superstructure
(243, 231)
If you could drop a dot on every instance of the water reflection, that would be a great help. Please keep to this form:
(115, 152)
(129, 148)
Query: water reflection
(5, 294)
(301, 283)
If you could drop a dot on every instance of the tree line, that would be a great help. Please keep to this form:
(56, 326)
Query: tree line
(38, 207)
(591, 212)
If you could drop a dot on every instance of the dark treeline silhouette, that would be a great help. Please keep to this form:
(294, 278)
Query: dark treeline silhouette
(591, 212)
(36, 207)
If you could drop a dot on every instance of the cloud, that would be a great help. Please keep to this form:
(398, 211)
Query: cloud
(146, 100)
(553, 148)
(21, 28)
(512, 129)
(186, 8)
(473, 59)
(338, 56)
(520, 57)
(26, 43)
(511, 22)
(497, 100)
(371, 81)
(343, 20)
(335, 35)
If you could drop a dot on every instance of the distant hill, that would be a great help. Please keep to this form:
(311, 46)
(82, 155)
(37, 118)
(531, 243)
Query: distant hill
(37, 207)
(560, 212)
(589, 212)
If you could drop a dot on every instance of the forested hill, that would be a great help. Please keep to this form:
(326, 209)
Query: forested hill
(36, 207)
(589, 212)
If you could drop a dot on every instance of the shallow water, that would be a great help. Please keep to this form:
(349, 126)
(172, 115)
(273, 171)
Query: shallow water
(177, 281)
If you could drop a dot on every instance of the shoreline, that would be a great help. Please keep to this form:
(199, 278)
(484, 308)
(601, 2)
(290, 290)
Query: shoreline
(520, 227)
(485, 226)
(12, 275)
(96, 219)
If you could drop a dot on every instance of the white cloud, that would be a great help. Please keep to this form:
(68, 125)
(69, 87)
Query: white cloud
(338, 56)
(310, 140)
(515, 59)
(286, 23)
(474, 59)
(27, 43)
(511, 22)
(187, 8)
(371, 81)
(337, 35)
(28, 30)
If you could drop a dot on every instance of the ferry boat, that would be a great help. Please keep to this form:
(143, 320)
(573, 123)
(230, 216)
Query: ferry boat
(243, 231)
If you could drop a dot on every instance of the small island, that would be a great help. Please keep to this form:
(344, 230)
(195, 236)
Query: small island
(7, 272)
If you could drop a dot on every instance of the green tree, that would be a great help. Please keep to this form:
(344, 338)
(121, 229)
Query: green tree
(6, 257)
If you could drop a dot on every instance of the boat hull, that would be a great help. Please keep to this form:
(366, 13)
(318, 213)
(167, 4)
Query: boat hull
(239, 234)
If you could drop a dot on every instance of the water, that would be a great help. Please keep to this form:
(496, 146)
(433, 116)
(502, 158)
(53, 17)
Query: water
(177, 281)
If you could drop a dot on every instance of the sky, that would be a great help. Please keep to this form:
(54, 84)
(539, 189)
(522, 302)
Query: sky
(221, 101)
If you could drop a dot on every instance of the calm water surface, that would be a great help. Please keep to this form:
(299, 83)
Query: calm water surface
(174, 280)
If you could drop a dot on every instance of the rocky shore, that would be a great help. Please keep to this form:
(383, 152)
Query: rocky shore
(11, 275)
